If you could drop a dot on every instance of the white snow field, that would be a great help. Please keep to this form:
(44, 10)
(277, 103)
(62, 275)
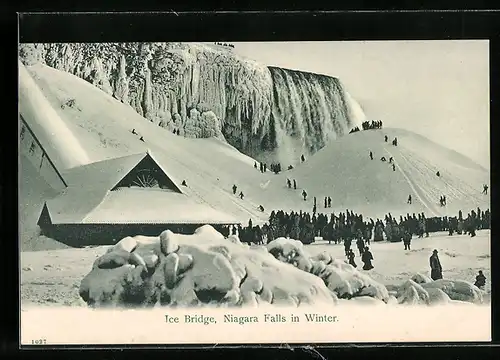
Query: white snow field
(210, 167)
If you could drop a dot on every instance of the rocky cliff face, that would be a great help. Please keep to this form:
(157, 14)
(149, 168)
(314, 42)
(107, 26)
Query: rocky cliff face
(206, 90)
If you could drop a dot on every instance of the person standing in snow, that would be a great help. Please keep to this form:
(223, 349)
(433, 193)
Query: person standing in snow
(436, 269)
(304, 194)
(360, 244)
(485, 189)
(255, 164)
(386, 138)
(367, 258)
(480, 280)
(347, 246)
(409, 199)
(326, 202)
(329, 202)
(241, 195)
(393, 167)
(234, 189)
(302, 158)
(395, 141)
(289, 183)
(371, 155)
(407, 239)
(350, 257)
(294, 184)
(390, 160)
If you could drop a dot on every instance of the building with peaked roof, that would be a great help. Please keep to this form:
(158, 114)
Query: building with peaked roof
(131, 195)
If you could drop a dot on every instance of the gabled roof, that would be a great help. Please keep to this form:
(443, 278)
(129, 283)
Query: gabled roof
(104, 175)
(92, 197)
(132, 206)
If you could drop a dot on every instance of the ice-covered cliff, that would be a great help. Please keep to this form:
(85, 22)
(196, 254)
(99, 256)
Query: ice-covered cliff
(205, 90)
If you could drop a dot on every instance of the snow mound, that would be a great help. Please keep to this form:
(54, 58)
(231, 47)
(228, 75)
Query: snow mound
(437, 292)
(196, 270)
(458, 290)
(342, 279)
(207, 269)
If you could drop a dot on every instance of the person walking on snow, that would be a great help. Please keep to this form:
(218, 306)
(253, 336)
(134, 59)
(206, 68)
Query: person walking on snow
(390, 160)
(329, 202)
(480, 280)
(367, 258)
(255, 164)
(485, 189)
(409, 199)
(304, 194)
(234, 189)
(350, 257)
(289, 183)
(436, 269)
(241, 195)
(294, 184)
(393, 167)
(386, 138)
(371, 155)
(326, 202)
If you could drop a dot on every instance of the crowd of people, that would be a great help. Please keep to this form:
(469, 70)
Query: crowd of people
(274, 167)
(224, 44)
(368, 125)
(346, 227)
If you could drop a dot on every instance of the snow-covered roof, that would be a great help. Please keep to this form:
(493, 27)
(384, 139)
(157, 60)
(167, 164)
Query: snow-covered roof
(132, 206)
(91, 197)
(105, 174)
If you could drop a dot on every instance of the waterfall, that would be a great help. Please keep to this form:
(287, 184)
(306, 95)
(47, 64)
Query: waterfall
(308, 111)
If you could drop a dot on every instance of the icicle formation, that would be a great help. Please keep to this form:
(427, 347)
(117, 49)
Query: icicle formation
(200, 90)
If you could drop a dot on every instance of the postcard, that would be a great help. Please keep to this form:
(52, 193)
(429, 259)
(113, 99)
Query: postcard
(254, 192)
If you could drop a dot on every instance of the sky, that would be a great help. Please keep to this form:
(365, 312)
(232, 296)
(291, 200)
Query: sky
(439, 89)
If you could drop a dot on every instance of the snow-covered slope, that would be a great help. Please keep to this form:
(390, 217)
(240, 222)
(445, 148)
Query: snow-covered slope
(342, 169)
(204, 90)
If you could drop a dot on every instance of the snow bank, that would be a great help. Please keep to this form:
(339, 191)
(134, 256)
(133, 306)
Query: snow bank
(198, 269)
(207, 269)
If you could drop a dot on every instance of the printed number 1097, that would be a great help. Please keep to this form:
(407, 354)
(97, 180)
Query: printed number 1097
(39, 342)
